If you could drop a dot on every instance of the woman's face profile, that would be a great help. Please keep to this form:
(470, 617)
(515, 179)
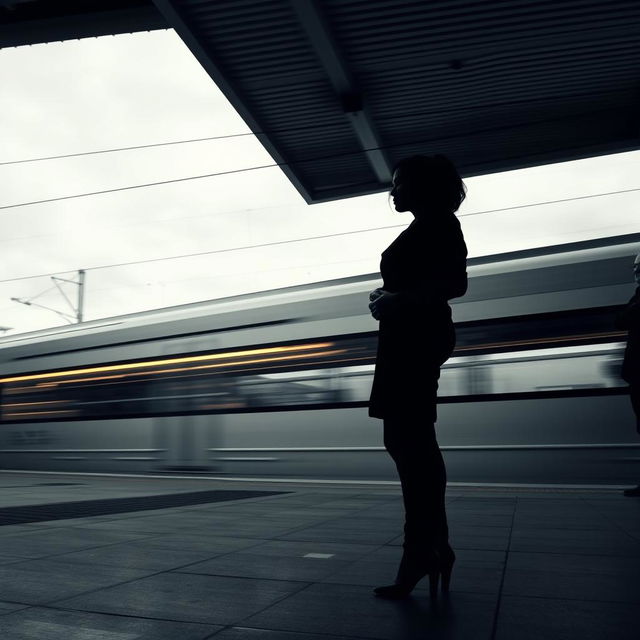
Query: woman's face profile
(399, 192)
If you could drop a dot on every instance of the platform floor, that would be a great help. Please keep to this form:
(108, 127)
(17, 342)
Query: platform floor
(300, 565)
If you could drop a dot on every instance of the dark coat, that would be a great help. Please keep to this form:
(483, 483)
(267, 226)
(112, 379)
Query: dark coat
(426, 266)
(629, 319)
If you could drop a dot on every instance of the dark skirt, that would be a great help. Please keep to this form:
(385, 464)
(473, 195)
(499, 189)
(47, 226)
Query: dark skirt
(407, 370)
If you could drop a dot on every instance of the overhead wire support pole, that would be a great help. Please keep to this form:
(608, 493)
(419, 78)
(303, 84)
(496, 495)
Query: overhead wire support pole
(78, 312)
(66, 316)
(81, 277)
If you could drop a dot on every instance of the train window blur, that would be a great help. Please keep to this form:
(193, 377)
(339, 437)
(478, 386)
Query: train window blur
(171, 385)
(316, 373)
(570, 368)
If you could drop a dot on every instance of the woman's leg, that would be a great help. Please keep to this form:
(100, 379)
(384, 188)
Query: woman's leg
(412, 445)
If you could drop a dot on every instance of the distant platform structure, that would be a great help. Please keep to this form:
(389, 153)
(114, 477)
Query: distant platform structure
(24, 22)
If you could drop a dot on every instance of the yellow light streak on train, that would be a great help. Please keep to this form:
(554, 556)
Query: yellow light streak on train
(26, 404)
(169, 361)
(37, 413)
(204, 366)
(543, 341)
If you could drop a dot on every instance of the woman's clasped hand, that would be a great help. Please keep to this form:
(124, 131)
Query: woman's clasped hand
(382, 303)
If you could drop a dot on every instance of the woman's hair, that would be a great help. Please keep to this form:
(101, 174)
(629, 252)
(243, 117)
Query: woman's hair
(434, 180)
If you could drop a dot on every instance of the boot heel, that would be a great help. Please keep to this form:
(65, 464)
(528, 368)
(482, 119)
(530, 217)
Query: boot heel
(434, 577)
(446, 578)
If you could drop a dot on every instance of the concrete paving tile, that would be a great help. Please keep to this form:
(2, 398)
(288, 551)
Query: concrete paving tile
(268, 537)
(244, 633)
(293, 511)
(8, 607)
(301, 569)
(186, 597)
(43, 581)
(590, 542)
(246, 529)
(525, 522)
(335, 534)
(137, 555)
(52, 624)
(292, 548)
(474, 571)
(485, 505)
(215, 544)
(579, 577)
(15, 529)
(488, 538)
(536, 618)
(346, 504)
(383, 511)
(164, 524)
(559, 500)
(352, 525)
(10, 559)
(346, 610)
(461, 520)
(72, 522)
(54, 541)
(478, 537)
(134, 525)
(207, 521)
(562, 508)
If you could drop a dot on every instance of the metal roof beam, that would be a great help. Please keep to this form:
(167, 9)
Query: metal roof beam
(171, 10)
(319, 34)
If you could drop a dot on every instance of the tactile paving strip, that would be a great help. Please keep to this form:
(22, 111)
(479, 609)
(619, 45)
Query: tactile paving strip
(88, 508)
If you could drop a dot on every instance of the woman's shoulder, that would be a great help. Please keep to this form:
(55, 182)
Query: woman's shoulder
(442, 227)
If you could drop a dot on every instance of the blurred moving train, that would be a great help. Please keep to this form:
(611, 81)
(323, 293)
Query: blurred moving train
(275, 384)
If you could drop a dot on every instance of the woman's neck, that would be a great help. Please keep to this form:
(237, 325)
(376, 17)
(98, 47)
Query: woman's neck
(429, 214)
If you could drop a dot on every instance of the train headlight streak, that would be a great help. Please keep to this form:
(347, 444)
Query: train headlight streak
(170, 361)
(25, 404)
(543, 341)
(212, 366)
(39, 413)
(183, 377)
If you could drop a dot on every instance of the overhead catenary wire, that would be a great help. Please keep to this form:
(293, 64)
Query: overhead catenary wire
(449, 110)
(212, 252)
(267, 166)
(136, 186)
(321, 237)
(119, 149)
(332, 156)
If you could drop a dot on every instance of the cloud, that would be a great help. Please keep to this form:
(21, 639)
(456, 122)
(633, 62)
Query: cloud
(146, 88)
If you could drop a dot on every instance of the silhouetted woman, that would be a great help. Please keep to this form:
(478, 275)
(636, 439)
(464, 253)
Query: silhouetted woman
(423, 268)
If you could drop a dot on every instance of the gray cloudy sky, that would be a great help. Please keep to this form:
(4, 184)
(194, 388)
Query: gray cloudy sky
(146, 88)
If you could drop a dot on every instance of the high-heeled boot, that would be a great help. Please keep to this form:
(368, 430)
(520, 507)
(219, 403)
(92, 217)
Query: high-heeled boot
(447, 560)
(413, 567)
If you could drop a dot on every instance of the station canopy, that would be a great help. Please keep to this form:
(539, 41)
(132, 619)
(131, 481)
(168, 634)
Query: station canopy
(340, 90)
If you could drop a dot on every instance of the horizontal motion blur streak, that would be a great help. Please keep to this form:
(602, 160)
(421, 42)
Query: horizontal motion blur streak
(155, 363)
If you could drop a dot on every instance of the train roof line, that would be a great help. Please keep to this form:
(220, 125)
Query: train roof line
(492, 259)
(570, 247)
(597, 243)
(550, 250)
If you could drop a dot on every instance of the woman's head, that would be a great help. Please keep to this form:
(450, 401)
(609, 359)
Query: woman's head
(427, 183)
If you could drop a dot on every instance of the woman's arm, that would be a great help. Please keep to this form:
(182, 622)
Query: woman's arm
(434, 270)
(385, 304)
